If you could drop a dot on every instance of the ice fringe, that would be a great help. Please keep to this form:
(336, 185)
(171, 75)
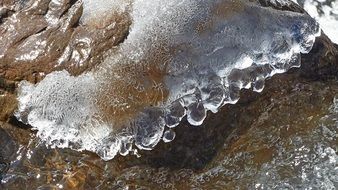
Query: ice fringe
(190, 56)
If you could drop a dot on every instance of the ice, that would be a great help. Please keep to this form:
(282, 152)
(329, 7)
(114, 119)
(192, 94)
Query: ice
(213, 96)
(181, 57)
(149, 129)
(326, 13)
(175, 113)
(196, 113)
(61, 108)
(169, 136)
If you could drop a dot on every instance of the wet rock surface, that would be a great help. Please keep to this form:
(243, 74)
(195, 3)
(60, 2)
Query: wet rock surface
(232, 149)
(45, 35)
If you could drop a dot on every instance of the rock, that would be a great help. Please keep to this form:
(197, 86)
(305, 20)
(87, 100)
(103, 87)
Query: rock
(8, 147)
(7, 152)
(232, 149)
(186, 54)
(321, 62)
(38, 37)
(44, 36)
(12, 139)
(8, 104)
(196, 147)
(234, 146)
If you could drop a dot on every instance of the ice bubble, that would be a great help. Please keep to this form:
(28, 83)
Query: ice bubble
(175, 113)
(169, 136)
(149, 129)
(196, 113)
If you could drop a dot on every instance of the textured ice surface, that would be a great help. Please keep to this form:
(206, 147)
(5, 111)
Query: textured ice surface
(326, 13)
(181, 57)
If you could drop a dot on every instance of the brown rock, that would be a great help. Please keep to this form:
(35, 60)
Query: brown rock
(8, 104)
(43, 37)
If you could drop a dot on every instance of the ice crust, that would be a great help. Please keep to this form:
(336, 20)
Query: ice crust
(205, 51)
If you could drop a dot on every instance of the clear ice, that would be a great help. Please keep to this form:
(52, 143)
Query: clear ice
(181, 58)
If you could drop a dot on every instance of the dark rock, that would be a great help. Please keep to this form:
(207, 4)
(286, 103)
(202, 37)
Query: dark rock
(7, 151)
(4, 166)
(322, 61)
(11, 137)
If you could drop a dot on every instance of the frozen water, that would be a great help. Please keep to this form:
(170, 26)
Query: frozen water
(181, 57)
(326, 13)
(169, 136)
